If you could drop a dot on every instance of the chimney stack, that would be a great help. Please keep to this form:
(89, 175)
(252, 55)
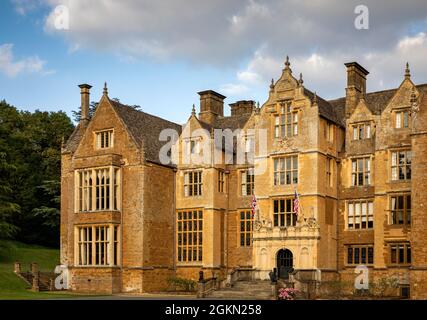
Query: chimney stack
(211, 106)
(85, 98)
(242, 107)
(356, 85)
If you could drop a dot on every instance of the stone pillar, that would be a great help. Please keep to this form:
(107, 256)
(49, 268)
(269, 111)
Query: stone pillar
(274, 288)
(201, 287)
(35, 273)
(17, 267)
(52, 284)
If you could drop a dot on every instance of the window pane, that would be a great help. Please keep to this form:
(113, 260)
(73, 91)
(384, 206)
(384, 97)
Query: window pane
(350, 255)
(398, 120)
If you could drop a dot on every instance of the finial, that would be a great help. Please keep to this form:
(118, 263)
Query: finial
(315, 98)
(407, 71)
(105, 89)
(193, 110)
(272, 84)
(300, 79)
(287, 63)
(62, 142)
(257, 104)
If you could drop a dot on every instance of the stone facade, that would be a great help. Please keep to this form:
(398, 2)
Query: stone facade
(360, 196)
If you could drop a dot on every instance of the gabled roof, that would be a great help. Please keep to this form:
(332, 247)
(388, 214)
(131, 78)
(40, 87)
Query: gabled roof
(143, 127)
(376, 101)
(230, 122)
(334, 113)
(74, 139)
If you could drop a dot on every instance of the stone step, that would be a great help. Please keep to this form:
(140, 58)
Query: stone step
(251, 290)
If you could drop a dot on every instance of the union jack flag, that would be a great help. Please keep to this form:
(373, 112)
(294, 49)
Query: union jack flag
(296, 203)
(253, 204)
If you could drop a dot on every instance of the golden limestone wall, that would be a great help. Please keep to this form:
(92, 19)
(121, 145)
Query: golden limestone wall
(313, 240)
(418, 274)
(153, 194)
(146, 219)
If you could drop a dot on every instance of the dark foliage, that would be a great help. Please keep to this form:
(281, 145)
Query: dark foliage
(30, 167)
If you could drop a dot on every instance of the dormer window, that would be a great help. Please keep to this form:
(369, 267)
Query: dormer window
(249, 144)
(192, 146)
(104, 139)
(361, 131)
(286, 122)
(402, 118)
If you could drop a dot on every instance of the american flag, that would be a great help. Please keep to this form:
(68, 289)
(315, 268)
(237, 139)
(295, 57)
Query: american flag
(253, 205)
(296, 203)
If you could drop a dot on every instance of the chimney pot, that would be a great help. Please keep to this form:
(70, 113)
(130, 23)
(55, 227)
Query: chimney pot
(85, 98)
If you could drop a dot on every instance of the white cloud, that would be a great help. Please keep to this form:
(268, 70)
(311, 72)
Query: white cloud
(226, 32)
(12, 67)
(234, 89)
(23, 7)
(326, 74)
(318, 35)
(408, 43)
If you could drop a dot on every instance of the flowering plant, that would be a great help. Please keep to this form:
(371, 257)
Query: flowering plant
(287, 293)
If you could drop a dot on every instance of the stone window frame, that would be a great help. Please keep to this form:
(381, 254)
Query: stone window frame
(399, 118)
(286, 121)
(329, 131)
(88, 193)
(404, 210)
(187, 228)
(282, 214)
(361, 130)
(192, 145)
(369, 216)
(368, 250)
(221, 181)
(395, 253)
(247, 182)
(245, 228)
(394, 164)
(103, 137)
(355, 171)
(193, 184)
(283, 170)
(102, 249)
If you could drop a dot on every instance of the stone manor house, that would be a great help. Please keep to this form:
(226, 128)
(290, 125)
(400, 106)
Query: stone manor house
(358, 163)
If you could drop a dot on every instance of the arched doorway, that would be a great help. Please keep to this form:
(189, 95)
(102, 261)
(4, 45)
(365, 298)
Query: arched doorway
(285, 263)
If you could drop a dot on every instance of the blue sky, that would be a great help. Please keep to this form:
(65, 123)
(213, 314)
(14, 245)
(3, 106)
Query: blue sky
(159, 54)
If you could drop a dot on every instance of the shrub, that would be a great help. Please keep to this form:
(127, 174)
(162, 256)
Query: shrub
(182, 284)
(287, 293)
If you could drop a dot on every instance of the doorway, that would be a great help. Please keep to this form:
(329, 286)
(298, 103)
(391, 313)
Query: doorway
(285, 263)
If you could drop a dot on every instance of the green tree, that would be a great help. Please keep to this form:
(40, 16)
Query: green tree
(7, 206)
(31, 143)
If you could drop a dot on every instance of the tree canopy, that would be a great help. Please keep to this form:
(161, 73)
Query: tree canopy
(30, 169)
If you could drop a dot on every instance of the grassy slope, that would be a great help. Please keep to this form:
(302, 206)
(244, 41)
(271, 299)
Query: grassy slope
(11, 286)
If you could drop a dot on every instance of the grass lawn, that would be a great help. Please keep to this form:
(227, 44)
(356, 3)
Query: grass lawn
(11, 286)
